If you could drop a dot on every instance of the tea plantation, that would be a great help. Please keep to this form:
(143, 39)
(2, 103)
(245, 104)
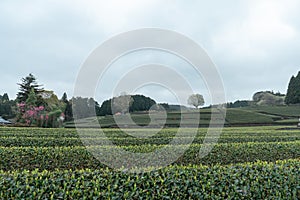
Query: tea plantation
(246, 163)
(244, 116)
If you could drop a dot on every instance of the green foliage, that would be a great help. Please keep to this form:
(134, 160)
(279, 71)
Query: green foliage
(4, 98)
(53, 120)
(139, 103)
(282, 112)
(165, 106)
(239, 116)
(68, 107)
(7, 107)
(121, 104)
(64, 98)
(171, 107)
(259, 180)
(50, 149)
(239, 104)
(28, 83)
(78, 157)
(293, 92)
(105, 108)
(253, 115)
(69, 137)
(31, 101)
(84, 107)
(52, 102)
(247, 163)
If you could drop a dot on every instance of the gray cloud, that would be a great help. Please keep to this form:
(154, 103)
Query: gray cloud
(253, 43)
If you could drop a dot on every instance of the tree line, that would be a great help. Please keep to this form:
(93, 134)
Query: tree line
(270, 98)
(36, 105)
(293, 92)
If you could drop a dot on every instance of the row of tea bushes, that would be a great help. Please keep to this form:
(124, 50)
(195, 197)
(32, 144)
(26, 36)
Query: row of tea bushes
(259, 180)
(157, 133)
(52, 142)
(78, 157)
(36, 137)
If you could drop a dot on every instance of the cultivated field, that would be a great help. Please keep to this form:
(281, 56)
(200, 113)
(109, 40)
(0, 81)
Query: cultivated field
(246, 116)
(246, 163)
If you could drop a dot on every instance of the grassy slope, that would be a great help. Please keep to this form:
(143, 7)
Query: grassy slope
(272, 115)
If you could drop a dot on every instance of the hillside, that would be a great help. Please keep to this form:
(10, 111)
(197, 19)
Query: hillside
(258, 115)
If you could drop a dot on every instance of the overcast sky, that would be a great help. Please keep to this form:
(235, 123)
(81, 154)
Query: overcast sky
(255, 44)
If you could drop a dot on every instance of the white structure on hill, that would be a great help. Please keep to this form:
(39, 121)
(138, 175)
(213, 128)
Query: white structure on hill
(3, 121)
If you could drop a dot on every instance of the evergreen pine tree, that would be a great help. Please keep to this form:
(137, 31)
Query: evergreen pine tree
(293, 92)
(68, 107)
(64, 98)
(28, 83)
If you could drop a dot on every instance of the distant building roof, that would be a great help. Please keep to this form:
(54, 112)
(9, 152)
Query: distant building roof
(3, 121)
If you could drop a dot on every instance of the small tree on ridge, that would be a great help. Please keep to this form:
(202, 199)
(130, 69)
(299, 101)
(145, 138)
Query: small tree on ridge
(196, 100)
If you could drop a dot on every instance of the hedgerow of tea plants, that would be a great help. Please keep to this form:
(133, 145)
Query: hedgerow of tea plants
(259, 180)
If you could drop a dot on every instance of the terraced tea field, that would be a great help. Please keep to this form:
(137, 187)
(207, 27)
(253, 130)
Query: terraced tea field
(245, 116)
(246, 163)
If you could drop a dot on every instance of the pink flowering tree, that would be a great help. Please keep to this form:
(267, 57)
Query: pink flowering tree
(31, 114)
(37, 106)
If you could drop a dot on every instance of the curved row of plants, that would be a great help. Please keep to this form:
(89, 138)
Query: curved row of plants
(246, 163)
(259, 180)
(72, 141)
(12, 158)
